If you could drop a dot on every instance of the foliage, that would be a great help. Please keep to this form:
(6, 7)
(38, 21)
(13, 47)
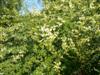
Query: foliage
(64, 39)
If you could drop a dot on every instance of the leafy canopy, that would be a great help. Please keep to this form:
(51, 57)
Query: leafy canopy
(64, 39)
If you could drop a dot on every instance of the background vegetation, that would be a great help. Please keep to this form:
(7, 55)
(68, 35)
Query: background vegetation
(62, 39)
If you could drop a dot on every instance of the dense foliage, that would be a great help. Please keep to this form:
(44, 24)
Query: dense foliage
(63, 39)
